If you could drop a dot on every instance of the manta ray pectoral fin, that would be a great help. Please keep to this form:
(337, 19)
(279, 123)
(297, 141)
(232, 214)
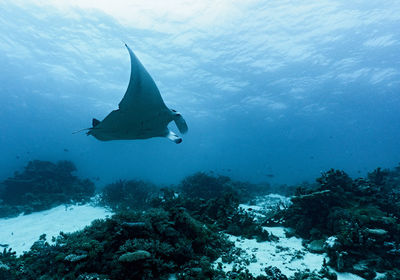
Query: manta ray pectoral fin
(173, 137)
(180, 123)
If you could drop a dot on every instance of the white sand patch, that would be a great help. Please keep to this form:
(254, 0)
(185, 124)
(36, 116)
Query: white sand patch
(272, 200)
(347, 276)
(264, 204)
(268, 202)
(21, 232)
(287, 254)
(247, 207)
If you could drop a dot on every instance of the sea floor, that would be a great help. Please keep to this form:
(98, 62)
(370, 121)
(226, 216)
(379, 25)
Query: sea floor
(19, 233)
(287, 254)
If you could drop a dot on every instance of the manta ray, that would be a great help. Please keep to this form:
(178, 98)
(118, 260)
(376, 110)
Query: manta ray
(142, 113)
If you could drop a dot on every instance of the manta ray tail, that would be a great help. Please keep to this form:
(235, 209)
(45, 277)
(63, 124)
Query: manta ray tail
(181, 123)
(94, 123)
(173, 137)
(75, 132)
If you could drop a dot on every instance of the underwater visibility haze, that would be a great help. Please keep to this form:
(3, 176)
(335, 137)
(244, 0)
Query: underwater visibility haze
(273, 91)
(289, 168)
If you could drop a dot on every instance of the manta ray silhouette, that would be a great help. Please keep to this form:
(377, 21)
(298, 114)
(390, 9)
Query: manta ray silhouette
(142, 113)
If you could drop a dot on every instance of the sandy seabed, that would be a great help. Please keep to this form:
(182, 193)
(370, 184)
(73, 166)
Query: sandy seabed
(19, 233)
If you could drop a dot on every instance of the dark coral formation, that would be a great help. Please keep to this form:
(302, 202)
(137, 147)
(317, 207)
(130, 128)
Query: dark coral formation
(131, 194)
(208, 186)
(43, 185)
(361, 218)
(130, 245)
(214, 200)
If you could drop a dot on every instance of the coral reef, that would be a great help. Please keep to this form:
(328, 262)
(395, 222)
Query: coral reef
(178, 233)
(356, 222)
(43, 185)
(208, 186)
(131, 194)
(214, 201)
(156, 233)
(166, 242)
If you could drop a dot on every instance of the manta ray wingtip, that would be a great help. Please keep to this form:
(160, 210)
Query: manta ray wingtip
(126, 45)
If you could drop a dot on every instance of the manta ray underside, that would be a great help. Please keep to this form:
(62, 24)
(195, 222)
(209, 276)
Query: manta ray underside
(142, 112)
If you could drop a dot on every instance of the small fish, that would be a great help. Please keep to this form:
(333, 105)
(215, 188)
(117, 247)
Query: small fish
(66, 150)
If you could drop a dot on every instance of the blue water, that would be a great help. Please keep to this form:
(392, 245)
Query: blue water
(267, 87)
